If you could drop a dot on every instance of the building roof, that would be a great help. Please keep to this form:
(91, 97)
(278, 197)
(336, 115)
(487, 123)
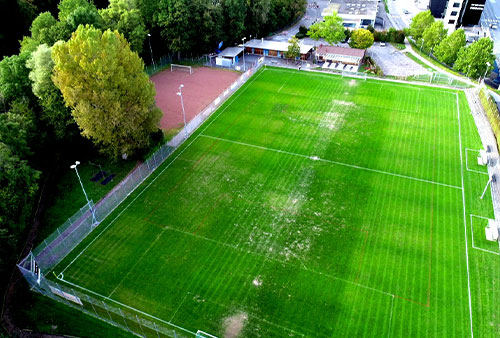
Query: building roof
(325, 49)
(352, 8)
(231, 52)
(276, 45)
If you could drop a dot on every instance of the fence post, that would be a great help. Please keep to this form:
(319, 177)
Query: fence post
(156, 328)
(124, 320)
(105, 308)
(92, 304)
(139, 322)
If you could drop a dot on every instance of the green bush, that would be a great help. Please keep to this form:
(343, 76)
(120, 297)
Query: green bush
(492, 112)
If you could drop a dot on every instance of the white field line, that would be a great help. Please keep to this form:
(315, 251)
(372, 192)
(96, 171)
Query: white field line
(396, 83)
(260, 319)
(465, 217)
(390, 318)
(182, 302)
(245, 251)
(163, 170)
(472, 233)
(284, 83)
(467, 162)
(277, 260)
(137, 262)
(315, 158)
(125, 305)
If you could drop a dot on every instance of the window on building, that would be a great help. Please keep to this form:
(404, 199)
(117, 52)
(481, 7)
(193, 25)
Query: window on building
(456, 4)
(451, 22)
(454, 13)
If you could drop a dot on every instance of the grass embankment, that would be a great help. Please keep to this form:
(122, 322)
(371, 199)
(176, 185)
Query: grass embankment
(492, 112)
(434, 61)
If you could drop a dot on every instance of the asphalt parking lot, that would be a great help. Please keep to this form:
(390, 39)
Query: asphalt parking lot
(394, 62)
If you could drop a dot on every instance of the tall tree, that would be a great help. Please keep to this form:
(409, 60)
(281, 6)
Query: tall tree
(178, 26)
(331, 29)
(104, 84)
(447, 50)
(476, 59)
(67, 7)
(123, 15)
(361, 39)
(14, 81)
(420, 23)
(42, 28)
(55, 113)
(433, 35)
(293, 48)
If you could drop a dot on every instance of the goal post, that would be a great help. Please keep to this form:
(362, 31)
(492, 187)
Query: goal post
(174, 66)
(201, 334)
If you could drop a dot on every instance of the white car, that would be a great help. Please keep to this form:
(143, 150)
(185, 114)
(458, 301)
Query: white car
(382, 44)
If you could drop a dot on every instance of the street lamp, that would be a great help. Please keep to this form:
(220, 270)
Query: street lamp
(151, 50)
(183, 112)
(487, 66)
(244, 66)
(421, 45)
(74, 166)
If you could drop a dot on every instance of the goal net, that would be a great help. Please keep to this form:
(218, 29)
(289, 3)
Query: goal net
(174, 66)
(201, 334)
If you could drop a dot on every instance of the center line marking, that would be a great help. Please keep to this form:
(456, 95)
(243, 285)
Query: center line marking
(332, 162)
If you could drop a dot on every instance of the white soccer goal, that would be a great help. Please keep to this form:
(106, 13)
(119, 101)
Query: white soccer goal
(355, 75)
(174, 66)
(201, 334)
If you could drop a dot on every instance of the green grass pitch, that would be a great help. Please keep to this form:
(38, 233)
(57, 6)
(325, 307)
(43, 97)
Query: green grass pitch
(310, 205)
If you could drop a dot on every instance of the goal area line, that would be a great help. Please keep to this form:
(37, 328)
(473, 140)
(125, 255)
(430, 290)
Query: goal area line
(472, 216)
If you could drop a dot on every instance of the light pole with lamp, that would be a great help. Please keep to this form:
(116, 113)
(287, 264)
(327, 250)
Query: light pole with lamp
(74, 166)
(244, 65)
(183, 112)
(421, 45)
(487, 66)
(151, 50)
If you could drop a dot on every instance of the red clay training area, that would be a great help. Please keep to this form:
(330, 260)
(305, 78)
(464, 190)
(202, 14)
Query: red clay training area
(200, 89)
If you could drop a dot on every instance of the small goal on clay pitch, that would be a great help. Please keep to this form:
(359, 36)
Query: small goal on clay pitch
(174, 66)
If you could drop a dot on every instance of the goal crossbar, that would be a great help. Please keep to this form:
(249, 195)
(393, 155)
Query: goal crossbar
(181, 67)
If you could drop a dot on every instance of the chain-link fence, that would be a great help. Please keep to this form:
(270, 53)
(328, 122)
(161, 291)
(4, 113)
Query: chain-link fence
(59, 244)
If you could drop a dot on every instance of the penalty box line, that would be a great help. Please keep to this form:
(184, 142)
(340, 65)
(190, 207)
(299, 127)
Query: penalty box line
(315, 158)
(240, 91)
(467, 162)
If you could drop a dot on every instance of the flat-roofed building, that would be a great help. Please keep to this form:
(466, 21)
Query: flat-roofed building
(354, 13)
(229, 56)
(275, 48)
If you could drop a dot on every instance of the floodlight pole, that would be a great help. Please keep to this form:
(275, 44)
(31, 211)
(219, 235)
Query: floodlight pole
(74, 166)
(421, 45)
(151, 50)
(244, 65)
(487, 66)
(183, 112)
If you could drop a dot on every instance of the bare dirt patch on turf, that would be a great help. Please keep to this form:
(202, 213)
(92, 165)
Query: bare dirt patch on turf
(234, 325)
(200, 89)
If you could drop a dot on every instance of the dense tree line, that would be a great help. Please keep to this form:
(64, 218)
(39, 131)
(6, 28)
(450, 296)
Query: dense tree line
(50, 100)
(430, 35)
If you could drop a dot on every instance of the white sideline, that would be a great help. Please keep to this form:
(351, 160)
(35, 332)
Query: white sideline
(161, 172)
(467, 162)
(332, 162)
(472, 234)
(465, 217)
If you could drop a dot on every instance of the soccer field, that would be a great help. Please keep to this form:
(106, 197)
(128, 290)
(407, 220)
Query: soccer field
(310, 205)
